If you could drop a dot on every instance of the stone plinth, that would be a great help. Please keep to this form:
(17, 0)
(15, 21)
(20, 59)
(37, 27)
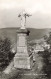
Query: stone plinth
(23, 58)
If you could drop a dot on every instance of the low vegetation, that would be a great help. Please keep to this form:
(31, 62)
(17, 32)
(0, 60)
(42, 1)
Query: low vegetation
(5, 52)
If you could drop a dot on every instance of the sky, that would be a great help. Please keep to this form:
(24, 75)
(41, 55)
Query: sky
(39, 9)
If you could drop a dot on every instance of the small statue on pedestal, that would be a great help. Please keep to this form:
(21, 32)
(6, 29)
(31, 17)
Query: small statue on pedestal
(23, 16)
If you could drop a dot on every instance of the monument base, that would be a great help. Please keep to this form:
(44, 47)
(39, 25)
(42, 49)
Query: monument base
(24, 62)
(23, 58)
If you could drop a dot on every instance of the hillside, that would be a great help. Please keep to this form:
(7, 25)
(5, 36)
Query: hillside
(11, 34)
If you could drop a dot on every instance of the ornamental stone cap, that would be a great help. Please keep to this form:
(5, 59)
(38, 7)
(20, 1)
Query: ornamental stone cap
(25, 31)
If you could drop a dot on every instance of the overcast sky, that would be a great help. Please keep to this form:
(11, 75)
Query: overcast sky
(40, 10)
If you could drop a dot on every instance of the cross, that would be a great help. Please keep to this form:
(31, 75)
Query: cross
(23, 16)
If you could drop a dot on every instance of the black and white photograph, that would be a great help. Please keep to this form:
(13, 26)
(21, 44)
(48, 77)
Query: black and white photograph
(25, 39)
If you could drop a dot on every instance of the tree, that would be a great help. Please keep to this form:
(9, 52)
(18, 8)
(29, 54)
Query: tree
(47, 56)
(5, 47)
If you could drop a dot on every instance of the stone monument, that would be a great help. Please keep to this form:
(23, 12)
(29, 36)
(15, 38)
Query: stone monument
(23, 58)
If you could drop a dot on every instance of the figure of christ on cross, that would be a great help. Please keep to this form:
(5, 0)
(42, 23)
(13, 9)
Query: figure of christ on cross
(23, 16)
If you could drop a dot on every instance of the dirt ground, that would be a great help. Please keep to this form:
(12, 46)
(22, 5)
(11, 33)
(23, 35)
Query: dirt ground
(34, 73)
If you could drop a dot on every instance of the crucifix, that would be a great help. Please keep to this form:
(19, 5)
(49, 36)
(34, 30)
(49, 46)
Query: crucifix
(23, 16)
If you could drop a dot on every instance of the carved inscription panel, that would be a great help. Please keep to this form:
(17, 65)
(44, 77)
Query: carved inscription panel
(21, 40)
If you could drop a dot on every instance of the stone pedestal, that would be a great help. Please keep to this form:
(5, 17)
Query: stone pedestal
(23, 58)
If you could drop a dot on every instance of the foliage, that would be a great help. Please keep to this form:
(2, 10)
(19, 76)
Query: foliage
(47, 56)
(4, 47)
(5, 53)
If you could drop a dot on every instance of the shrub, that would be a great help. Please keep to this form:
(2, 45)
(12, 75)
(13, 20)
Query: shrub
(5, 47)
